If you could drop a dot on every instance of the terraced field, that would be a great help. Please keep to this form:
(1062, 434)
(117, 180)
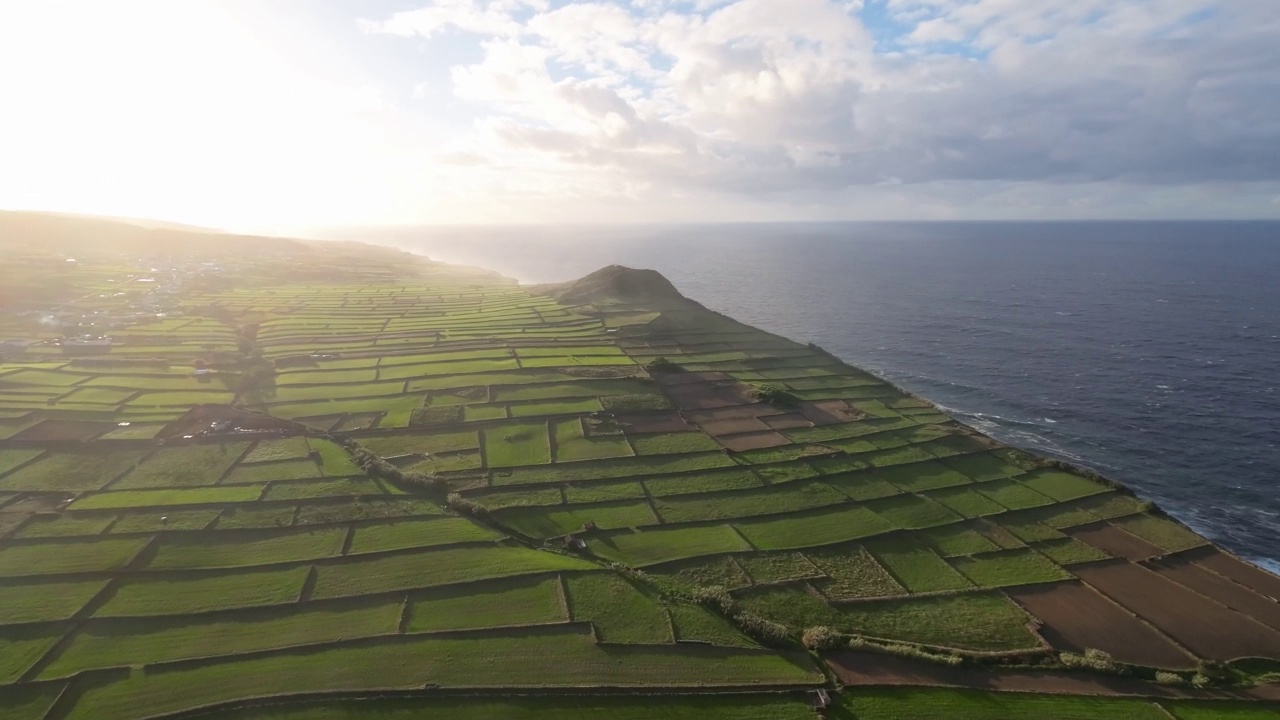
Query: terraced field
(389, 474)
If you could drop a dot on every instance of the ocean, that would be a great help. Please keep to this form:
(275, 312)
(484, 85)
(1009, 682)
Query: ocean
(1148, 351)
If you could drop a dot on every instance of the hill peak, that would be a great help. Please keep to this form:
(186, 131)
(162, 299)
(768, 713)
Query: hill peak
(616, 282)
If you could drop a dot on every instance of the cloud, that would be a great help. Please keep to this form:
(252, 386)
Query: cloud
(753, 97)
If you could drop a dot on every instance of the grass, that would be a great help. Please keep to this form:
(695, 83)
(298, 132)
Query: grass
(952, 540)
(571, 445)
(603, 492)
(255, 516)
(693, 623)
(21, 647)
(118, 643)
(982, 467)
(204, 592)
(501, 603)
(747, 503)
(188, 466)
(537, 408)
(422, 443)
(154, 521)
(816, 527)
(67, 556)
(620, 612)
(399, 534)
(1062, 486)
(1015, 567)
(777, 567)
(285, 449)
(565, 657)
(615, 468)
(1068, 551)
(169, 497)
(11, 458)
(862, 486)
(245, 548)
(972, 621)
(967, 502)
(70, 471)
(442, 566)
(702, 482)
(853, 573)
(650, 547)
(921, 476)
(299, 469)
(519, 498)
(912, 512)
(28, 702)
(672, 443)
(722, 571)
(26, 602)
(1013, 494)
(311, 489)
(917, 568)
(1221, 710)
(516, 444)
(544, 522)
(1161, 532)
(63, 526)
(908, 703)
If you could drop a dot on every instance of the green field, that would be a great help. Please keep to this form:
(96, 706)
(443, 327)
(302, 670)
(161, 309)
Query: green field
(314, 481)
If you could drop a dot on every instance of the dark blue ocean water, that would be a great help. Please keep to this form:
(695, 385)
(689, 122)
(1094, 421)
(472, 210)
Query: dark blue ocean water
(1148, 351)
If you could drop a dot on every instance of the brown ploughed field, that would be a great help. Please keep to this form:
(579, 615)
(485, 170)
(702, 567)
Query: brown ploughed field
(1260, 581)
(1114, 541)
(1077, 618)
(1208, 583)
(1196, 622)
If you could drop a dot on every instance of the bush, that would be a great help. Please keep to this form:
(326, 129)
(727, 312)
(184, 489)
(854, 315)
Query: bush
(715, 597)
(1092, 659)
(821, 637)
(775, 395)
(662, 365)
(464, 506)
(1164, 677)
(766, 631)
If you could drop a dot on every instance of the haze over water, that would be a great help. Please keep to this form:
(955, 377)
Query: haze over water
(1145, 350)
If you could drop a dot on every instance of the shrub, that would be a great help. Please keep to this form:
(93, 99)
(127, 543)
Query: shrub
(662, 365)
(1164, 677)
(1092, 659)
(465, 506)
(715, 597)
(766, 631)
(821, 637)
(775, 395)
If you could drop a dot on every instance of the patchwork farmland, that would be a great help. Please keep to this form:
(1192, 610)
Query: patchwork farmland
(403, 486)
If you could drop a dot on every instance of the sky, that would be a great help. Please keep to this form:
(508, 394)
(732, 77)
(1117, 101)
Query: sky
(284, 115)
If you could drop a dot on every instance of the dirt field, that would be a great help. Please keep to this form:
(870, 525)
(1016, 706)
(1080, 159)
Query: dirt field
(657, 423)
(1208, 583)
(753, 441)
(787, 421)
(62, 431)
(864, 668)
(704, 391)
(827, 412)
(1111, 539)
(1077, 618)
(1205, 627)
(1251, 577)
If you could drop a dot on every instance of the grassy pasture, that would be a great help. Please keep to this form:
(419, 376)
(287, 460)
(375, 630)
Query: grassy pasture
(1013, 567)
(571, 444)
(579, 388)
(693, 623)
(544, 522)
(515, 444)
(67, 556)
(564, 657)
(168, 497)
(11, 458)
(296, 469)
(144, 521)
(853, 573)
(519, 498)
(912, 512)
(967, 502)
(917, 568)
(499, 603)
(705, 572)
(650, 547)
(616, 468)
(28, 702)
(39, 601)
(619, 611)
(179, 594)
(1161, 532)
(1062, 486)
(442, 566)
(815, 527)
(21, 646)
(982, 467)
(603, 492)
(62, 525)
(952, 540)
(70, 471)
(1068, 551)
(746, 503)
(972, 621)
(247, 547)
(400, 534)
(120, 643)
(777, 567)
(188, 466)
(1013, 494)
(672, 443)
(294, 448)
(702, 482)
(311, 489)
